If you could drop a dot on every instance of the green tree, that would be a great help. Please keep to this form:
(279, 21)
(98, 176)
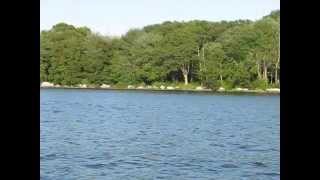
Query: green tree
(212, 65)
(227, 53)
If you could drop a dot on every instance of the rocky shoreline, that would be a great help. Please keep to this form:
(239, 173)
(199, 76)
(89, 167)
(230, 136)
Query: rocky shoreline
(47, 85)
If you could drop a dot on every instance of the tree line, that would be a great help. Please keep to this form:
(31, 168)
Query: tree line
(230, 54)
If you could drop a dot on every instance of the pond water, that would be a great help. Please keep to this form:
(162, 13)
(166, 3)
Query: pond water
(107, 134)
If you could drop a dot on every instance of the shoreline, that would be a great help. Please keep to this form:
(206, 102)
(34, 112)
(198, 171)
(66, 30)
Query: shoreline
(171, 90)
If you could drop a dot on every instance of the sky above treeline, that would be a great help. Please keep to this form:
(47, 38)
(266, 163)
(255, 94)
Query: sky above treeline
(116, 17)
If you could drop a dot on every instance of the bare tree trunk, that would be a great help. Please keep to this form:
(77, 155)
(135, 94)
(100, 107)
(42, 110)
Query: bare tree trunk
(276, 72)
(204, 63)
(203, 53)
(276, 75)
(200, 67)
(220, 73)
(185, 71)
(190, 71)
(258, 71)
(265, 71)
(185, 76)
(265, 77)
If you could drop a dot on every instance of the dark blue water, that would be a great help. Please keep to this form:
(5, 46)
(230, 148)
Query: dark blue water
(96, 134)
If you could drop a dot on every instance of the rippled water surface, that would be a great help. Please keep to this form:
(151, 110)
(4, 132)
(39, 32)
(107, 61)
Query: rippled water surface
(96, 134)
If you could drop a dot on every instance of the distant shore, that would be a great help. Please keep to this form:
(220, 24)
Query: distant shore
(238, 90)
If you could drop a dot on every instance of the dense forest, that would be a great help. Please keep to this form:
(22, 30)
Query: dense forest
(227, 54)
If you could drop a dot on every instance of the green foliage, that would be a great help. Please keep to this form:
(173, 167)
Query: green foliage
(229, 54)
(120, 85)
(212, 84)
(259, 84)
(228, 85)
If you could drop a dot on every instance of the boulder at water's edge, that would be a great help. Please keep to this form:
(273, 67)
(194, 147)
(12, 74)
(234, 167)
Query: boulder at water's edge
(46, 84)
(105, 86)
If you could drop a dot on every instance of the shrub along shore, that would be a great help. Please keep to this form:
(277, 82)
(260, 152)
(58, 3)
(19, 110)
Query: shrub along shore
(162, 87)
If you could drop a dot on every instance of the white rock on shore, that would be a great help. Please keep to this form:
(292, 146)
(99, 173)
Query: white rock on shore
(155, 87)
(221, 89)
(199, 88)
(170, 88)
(149, 87)
(105, 86)
(130, 87)
(162, 87)
(241, 89)
(259, 90)
(140, 87)
(82, 86)
(273, 90)
(46, 84)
